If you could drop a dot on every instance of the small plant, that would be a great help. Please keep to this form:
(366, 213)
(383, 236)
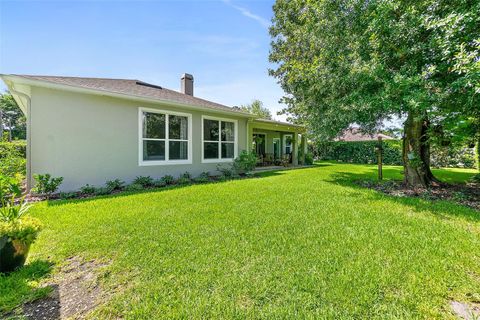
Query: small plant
(102, 191)
(475, 178)
(308, 158)
(46, 184)
(227, 171)
(144, 181)
(134, 187)
(67, 195)
(187, 175)
(168, 179)
(204, 177)
(159, 183)
(184, 181)
(245, 162)
(9, 187)
(17, 233)
(87, 189)
(459, 196)
(116, 184)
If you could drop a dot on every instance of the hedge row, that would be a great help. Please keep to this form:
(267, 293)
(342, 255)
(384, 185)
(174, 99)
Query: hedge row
(360, 151)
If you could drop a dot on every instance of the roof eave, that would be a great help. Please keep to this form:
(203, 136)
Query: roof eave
(47, 84)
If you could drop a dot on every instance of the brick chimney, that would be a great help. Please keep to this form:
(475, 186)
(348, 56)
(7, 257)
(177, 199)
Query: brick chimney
(186, 83)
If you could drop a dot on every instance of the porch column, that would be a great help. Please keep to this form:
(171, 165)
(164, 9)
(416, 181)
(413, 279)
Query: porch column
(249, 136)
(295, 149)
(302, 150)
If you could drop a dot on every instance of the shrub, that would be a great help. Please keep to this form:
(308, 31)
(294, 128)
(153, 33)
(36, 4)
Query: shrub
(116, 184)
(102, 191)
(45, 184)
(87, 189)
(134, 187)
(168, 179)
(159, 183)
(182, 180)
(13, 159)
(144, 181)
(203, 178)
(452, 156)
(9, 187)
(308, 158)
(186, 175)
(475, 178)
(228, 171)
(245, 162)
(67, 195)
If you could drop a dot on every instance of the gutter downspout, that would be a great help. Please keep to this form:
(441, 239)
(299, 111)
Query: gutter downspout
(29, 144)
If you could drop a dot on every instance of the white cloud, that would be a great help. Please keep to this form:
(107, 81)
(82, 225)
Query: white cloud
(247, 13)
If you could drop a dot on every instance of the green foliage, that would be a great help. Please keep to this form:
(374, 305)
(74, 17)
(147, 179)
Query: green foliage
(116, 184)
(134, 187)
(67, 195)
(101, 191)
(87, 189)
(245, 162)
(9, 187)
(204, 177)
(186, 175)
(10, 211)
(360, 151)
(145, 181)
(168, 179)
(25, 230)
(308, 158)
(12, 115)
(46, 184)
(159, 183)
(12, 159)
(183, 180)
(257, 108)
(452, 156)
(227, 171)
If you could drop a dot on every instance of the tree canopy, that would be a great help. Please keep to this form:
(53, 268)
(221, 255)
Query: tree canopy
(12, 116)
(356, 61)
(256, 107)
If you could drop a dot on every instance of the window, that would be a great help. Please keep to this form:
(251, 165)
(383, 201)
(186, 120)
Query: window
(219, 139)
(165, 137)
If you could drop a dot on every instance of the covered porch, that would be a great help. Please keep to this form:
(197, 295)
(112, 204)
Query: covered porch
(277, 143)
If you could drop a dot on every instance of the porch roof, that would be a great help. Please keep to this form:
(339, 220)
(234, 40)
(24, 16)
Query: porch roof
(277, 126)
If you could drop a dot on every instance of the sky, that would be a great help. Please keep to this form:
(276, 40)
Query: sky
(223, 43)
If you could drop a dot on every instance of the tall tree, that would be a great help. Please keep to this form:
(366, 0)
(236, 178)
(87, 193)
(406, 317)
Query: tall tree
(12, 117)
(256, 107)
(358, 61)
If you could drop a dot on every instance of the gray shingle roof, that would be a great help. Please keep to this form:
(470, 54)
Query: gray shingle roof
(135, 88)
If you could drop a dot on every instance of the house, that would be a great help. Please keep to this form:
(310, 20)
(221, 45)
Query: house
(90, 130)
(354, 134)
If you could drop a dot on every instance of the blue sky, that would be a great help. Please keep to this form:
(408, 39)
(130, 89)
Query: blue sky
(224, 44)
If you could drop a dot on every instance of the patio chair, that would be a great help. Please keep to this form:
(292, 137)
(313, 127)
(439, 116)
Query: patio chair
(285, 160)
(268, 160)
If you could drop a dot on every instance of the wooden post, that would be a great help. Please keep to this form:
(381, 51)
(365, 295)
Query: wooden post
(380, 158)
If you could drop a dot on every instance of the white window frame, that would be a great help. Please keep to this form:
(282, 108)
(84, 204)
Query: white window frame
(235, 142)
(285, 143)
(167, 113)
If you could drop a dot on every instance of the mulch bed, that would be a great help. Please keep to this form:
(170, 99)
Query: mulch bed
(463, 194)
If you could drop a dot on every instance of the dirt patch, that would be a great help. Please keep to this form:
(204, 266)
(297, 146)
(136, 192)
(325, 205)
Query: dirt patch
(464, 194)
(75, 291)
(465, 311)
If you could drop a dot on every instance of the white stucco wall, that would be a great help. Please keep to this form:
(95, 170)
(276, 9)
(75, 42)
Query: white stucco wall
(91, 139)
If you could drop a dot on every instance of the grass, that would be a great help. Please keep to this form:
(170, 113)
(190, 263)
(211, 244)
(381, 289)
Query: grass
(301, 243)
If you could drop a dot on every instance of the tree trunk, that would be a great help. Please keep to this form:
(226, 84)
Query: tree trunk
(416, 152)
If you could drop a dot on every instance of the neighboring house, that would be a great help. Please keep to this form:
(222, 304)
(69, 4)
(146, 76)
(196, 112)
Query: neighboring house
(90, 130)
(354, 134)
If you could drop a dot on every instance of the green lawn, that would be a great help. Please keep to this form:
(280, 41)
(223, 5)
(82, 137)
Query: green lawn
(303, 243)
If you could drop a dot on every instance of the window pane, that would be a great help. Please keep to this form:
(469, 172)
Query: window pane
(153, 150)
(228, 131)
(210, 130)
(210, 150)
(178, 150)
(178, 127)
(228, 150)
(153, 125)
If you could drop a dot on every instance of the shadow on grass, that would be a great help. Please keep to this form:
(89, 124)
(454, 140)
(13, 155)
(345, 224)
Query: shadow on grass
(17, 287)
(442, 208)
(119, 194)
